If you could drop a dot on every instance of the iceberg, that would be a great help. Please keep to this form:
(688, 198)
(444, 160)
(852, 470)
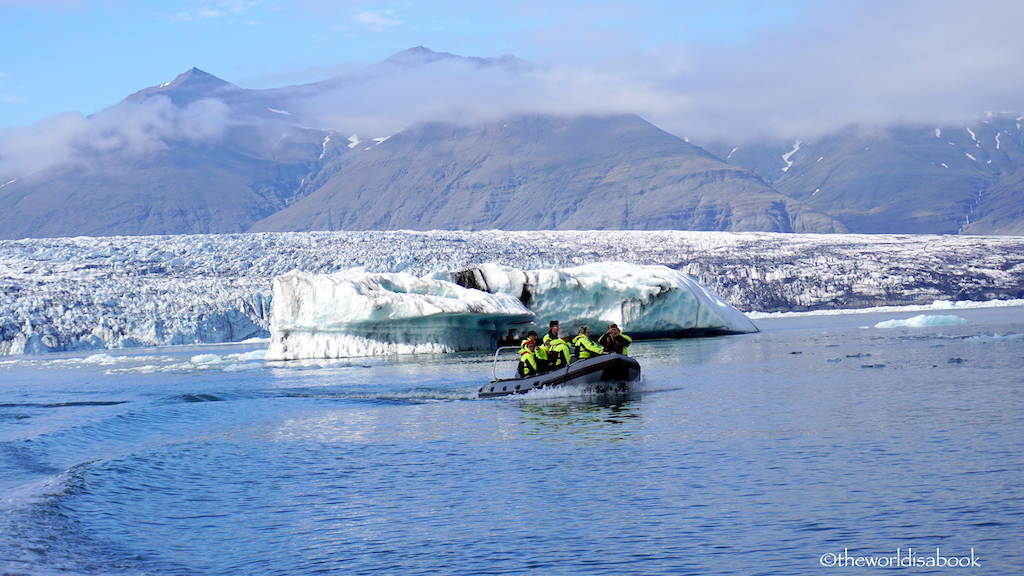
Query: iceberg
(646, 301)
(357, 313)
(922, 321)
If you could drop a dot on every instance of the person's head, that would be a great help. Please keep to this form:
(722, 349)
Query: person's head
(553, 326)
(584, 330)
(531, 335)
(563, 334)
(613, 329)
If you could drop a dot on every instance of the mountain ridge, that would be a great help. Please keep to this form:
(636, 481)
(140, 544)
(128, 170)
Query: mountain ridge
(202, 155)
(619, 164)
(903, 178)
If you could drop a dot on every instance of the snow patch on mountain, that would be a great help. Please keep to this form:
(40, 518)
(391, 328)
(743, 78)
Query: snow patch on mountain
(786, 157)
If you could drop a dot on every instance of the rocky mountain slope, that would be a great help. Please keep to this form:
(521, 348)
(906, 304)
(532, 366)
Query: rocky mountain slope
(903, 179)
(541, 173)
(169, 160)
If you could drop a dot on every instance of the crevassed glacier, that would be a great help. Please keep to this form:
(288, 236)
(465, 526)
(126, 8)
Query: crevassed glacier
(74, 294)
(355, 313)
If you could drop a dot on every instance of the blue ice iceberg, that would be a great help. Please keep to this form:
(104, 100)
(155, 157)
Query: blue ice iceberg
(646, 301)
(356, 313)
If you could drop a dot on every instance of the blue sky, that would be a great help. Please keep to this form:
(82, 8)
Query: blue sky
(791, 65)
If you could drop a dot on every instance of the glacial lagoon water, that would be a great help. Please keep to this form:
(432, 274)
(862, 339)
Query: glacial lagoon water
(823, 444)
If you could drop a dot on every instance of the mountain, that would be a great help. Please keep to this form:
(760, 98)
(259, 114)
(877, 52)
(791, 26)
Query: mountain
(200, 155)
(541, 172)
(902, 179)
(173, 159)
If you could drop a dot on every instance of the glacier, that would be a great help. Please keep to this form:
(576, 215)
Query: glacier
(358, 313)
(95, 293)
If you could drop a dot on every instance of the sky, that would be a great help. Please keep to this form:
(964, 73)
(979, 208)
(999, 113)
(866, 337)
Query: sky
(723, 68)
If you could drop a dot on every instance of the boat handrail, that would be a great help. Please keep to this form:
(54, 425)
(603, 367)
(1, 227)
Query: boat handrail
(494, 366)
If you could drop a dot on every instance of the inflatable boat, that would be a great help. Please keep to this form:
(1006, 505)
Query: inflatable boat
(603, 373)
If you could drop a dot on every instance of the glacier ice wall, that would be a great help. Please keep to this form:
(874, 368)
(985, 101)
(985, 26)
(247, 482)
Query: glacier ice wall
(356, 313)
(61, 294)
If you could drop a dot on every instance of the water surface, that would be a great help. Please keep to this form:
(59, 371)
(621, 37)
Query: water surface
(753, 454)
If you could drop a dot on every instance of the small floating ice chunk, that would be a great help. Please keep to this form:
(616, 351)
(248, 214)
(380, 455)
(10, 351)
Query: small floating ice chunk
(255, 355)
(99, 359)
(922, 320)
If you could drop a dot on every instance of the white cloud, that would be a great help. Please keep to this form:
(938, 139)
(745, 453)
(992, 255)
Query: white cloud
(870, 61)
(131, 129)
(376, 21)
(829, 65)
(216, 9)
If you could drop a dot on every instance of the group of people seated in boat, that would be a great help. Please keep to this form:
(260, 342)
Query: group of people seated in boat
(555, 350)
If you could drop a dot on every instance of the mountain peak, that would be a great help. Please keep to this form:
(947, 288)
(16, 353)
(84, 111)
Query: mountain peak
(193, 84)
(420, 55)
(196, 75)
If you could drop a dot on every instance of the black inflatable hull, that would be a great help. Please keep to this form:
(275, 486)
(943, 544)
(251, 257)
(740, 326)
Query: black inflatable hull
(603, 369)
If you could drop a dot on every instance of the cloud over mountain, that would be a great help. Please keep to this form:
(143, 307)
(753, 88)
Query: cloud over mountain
(134, 129)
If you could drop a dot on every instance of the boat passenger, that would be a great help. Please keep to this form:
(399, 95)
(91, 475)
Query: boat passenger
(527, 360)
(613, 340)
(558, 350)
(552, 331)
(587, 347)
(540, 353)
(531, 338)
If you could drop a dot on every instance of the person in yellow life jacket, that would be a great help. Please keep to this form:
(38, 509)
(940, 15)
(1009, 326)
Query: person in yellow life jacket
(587, 347)
(615, 341)
(552, 332)
(527, 360)
(540, 353)
(558, 350)
(531, 338)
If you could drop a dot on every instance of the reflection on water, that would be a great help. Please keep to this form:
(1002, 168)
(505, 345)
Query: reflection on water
(603, 416)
